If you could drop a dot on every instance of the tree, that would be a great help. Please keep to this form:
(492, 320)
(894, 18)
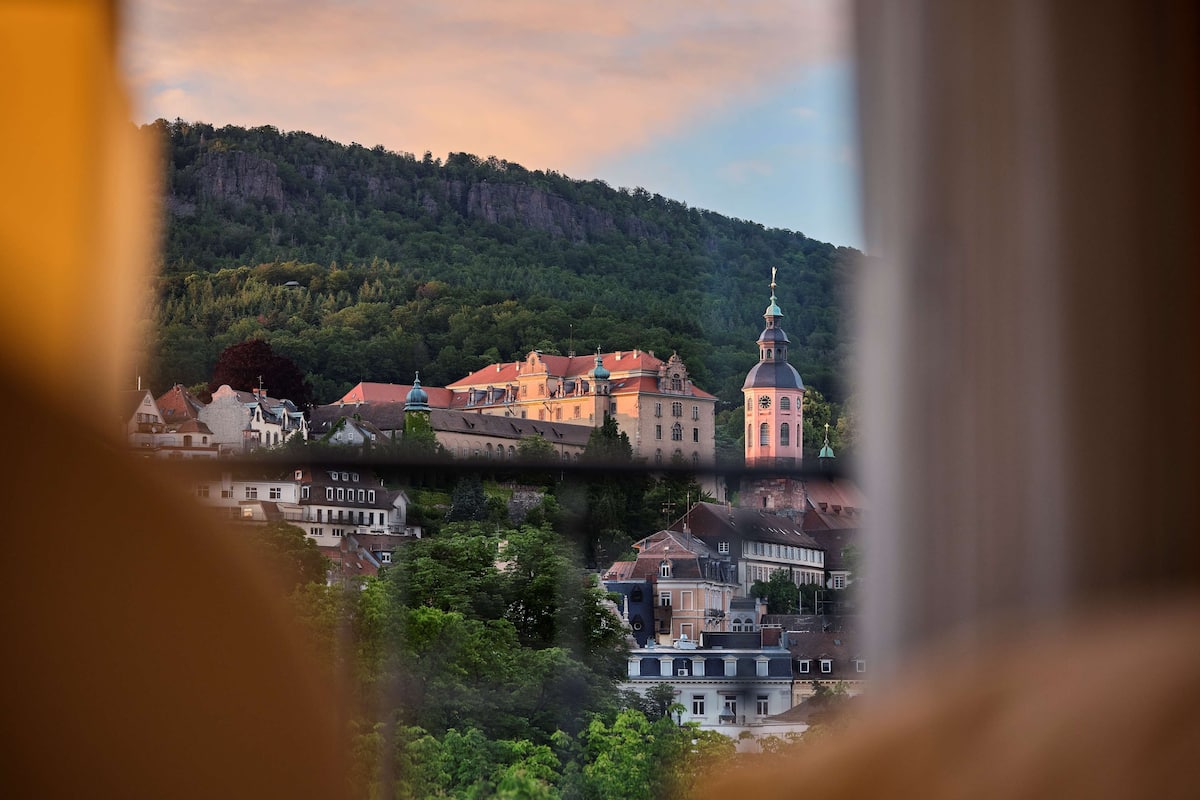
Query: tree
(779, 591)
(614, 498)
(241, 366)
(536, 450)
(659, 700)
(290, 554)
(468, 501)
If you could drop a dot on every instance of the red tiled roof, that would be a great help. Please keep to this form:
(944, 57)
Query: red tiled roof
(366, 392)
(177, 404)
(838, 492)
(617, 363)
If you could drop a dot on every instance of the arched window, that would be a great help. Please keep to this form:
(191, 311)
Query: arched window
(677, 432)
(187, 441)
(658, 456)
(676, 383)
(785, 435)
(764, 434)
(785, 403)
(512, 451)
(489, 450)
(664, 571)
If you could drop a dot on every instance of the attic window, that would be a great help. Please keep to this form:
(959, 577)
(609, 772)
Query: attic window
(723, 547)
(299, 474)
(664, 569)
(860, 665)
(804, 665)
(826, 665)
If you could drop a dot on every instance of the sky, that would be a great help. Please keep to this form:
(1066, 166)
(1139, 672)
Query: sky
(744, 108)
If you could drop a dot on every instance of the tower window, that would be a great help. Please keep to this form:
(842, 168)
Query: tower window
(764, 434)
(785, 435)
(785, 404)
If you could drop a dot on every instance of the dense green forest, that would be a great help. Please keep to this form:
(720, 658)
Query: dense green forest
(364, 264)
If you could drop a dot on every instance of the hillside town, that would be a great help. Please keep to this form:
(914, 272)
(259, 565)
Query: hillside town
(692, 600)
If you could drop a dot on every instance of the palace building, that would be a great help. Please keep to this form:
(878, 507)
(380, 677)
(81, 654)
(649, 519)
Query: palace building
(653, 401)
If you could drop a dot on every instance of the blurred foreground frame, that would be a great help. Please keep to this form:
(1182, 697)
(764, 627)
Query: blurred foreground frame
(145, 655)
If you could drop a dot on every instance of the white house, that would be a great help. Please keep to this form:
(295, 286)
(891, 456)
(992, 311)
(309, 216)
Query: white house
(245, 421)
(327, 504)
(734, 682)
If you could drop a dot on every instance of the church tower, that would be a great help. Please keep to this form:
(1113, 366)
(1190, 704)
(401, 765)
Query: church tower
(774, 395)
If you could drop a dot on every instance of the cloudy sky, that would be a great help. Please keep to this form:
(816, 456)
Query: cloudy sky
(745, 108)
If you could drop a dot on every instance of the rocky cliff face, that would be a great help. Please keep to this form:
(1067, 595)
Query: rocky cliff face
(238, 178)
(241, 178)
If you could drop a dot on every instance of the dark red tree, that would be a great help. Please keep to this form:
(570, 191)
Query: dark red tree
(242, 365)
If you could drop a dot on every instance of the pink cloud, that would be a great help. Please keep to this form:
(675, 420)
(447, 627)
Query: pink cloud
(547, 84)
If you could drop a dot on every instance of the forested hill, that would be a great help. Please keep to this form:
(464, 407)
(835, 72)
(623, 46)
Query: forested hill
(408, 263)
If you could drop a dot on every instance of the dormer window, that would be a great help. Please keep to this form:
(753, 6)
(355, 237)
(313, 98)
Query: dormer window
(804, 665)
(723, 547)
(328, 492)
(664, 569)
(826, 665)
(860, 665)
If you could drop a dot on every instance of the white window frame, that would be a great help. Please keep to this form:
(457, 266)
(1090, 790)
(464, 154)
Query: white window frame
(664, 599)
(698, 705)
(805, 666)
(826, 666)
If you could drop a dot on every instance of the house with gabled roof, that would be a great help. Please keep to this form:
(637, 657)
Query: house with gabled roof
(141, 421)
(178, 405)
(689, 585)
(756, 542)
(245, 421)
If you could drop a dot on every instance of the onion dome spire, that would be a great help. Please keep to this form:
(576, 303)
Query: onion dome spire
(417, 398)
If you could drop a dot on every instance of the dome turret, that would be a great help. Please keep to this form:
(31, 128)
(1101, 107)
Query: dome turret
(417, 398)
(600, 373)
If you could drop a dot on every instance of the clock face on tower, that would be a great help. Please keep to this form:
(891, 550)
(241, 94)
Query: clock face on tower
(764, 402)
